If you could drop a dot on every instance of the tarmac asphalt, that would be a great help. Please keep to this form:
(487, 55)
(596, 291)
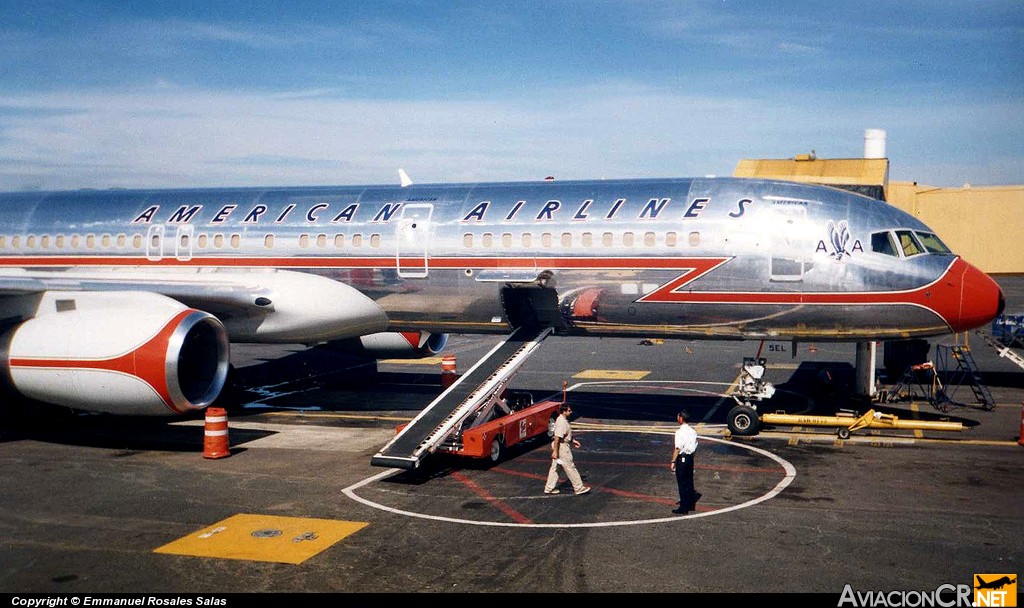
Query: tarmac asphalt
(100, 505)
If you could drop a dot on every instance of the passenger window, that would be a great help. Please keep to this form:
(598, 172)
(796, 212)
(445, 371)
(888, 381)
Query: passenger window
(339, 240)
(76, 241)
(909, 243)
(881, 242)
(16, 242)
(218, 240)
(122, 240)
(90, 241)
(136, 241)
(627, 239)
(58, 242)
(487, 240)
(375, 241)
(268, 241)
(932, 243)
(3, 242)
(545, 239)
(607, 239)
(303, 240)
(670, 239)
(203, 241)
(567, 239)
(694, 239)
(650, 240)
(467, 239)
(506, 240)
(527, 239)
(321, 240)
(105, 241)
(357, 240)
(588, 239)
(30, 242)
(236, 241)
(44, 242)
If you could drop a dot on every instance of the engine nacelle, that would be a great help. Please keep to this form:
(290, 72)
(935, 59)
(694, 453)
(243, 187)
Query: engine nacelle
(127, 353)
(395, 345)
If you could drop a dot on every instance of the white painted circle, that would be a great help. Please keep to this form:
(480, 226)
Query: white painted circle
(779, 487)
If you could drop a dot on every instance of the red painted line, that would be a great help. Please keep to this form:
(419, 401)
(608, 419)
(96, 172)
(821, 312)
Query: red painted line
(659, 465)
(621, 493)
(638, 496)
(495, 502)
(521, 473)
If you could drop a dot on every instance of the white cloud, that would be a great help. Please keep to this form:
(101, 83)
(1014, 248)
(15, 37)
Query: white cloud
(164, 137)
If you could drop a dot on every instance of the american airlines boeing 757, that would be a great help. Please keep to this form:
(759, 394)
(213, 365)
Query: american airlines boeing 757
(126, 301)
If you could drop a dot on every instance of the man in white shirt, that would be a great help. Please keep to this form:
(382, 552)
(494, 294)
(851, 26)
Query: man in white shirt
(685, 446)
(561, 454)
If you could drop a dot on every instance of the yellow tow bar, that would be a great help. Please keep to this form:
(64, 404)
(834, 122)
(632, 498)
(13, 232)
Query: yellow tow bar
(870, 419)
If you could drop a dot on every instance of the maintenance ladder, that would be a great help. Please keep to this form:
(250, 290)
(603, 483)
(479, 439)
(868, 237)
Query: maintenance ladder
(472, 391)
(958, 367)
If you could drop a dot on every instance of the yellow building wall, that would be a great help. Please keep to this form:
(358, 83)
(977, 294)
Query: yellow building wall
(984, 225)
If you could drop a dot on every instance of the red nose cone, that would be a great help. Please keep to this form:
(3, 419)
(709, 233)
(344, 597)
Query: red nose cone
(981, 300)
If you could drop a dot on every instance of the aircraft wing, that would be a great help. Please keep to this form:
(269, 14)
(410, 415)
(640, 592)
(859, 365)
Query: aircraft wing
(12, 285)
(214, 292)
(255, 305)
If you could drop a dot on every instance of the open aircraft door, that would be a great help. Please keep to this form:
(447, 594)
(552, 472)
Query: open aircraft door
(413, 238)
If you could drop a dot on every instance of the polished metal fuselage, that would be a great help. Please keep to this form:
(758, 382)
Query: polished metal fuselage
(716, 258)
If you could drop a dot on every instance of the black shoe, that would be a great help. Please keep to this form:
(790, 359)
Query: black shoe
(680, 511)
(696, 497)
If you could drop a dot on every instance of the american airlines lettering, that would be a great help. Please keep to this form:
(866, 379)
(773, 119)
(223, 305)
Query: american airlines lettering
(652, 209)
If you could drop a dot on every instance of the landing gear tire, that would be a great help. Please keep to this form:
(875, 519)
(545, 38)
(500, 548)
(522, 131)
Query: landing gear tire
(497, 447)
(844, 433)
(743, 421)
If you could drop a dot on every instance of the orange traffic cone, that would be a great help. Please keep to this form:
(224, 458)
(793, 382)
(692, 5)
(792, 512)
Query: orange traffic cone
(448, 370)
(215, 441)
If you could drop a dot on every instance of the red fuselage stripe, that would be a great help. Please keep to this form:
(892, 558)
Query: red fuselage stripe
(671, 292)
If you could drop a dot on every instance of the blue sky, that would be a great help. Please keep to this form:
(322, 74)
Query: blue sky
(162, 94)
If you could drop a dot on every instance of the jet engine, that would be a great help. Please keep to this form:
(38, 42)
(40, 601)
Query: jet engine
(128, 353)
(394, 345)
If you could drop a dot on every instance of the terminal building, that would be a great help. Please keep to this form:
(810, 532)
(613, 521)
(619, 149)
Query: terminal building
(979, 223)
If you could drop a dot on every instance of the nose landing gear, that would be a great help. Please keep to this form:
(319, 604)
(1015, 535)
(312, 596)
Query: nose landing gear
(743, 418)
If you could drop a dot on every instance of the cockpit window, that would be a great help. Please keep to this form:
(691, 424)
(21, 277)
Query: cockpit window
(881, 242)
(909, 243)
(932, 243)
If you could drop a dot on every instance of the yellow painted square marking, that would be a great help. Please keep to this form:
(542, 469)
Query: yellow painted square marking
(612, 374)
(264, 538)
(423, 361)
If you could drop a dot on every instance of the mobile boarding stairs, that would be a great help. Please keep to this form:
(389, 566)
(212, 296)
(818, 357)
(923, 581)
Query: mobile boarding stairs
(467, 402)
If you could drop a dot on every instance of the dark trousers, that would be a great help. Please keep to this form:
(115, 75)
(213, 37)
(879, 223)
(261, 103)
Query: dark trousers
(684, 479)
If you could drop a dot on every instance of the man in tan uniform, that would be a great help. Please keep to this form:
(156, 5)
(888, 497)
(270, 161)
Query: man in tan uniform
(561, 454)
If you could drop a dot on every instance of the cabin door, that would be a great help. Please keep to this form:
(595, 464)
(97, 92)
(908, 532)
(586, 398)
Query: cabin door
(413, 239)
